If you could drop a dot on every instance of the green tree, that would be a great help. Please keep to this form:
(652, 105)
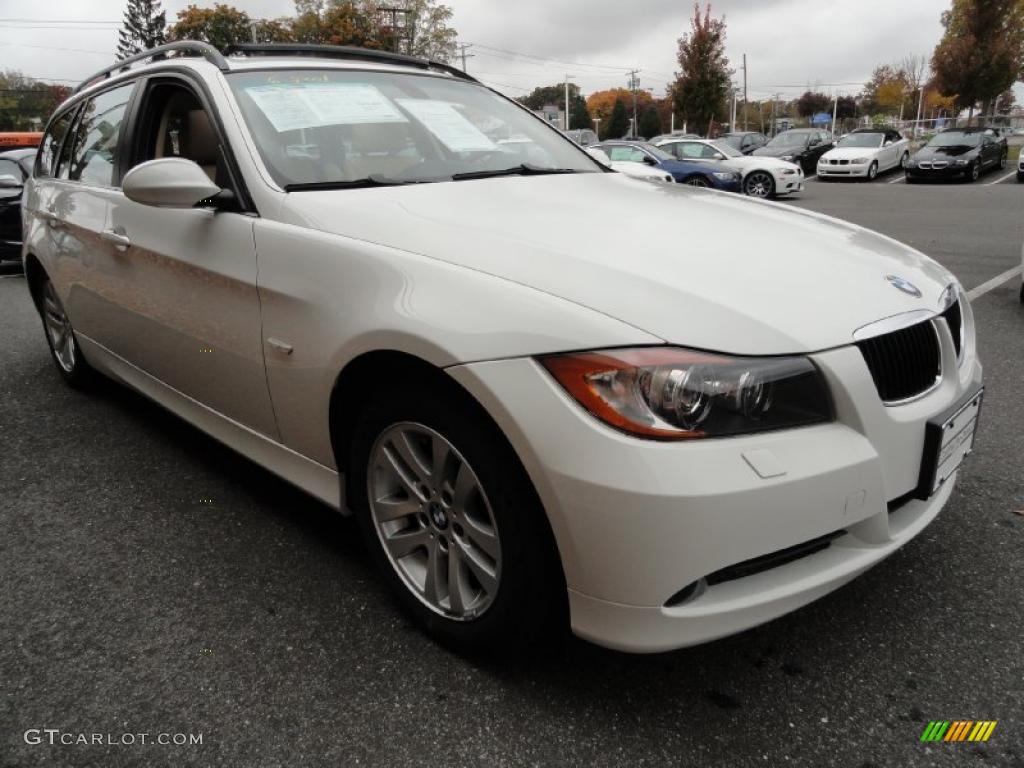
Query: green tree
(812, 103)
(650, 122)
(981, 53)
(145, 27)
(540, 97)
(26, 104)
(618, 123)
(219, 26)
(702, 85)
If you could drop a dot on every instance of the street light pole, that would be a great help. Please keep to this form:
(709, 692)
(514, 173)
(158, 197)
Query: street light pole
(597, 127)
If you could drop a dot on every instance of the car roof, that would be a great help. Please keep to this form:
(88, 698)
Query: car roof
(18, 154)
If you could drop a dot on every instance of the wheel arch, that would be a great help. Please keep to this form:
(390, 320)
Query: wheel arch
(34, 275)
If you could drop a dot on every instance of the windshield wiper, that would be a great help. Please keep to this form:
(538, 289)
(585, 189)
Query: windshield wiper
(524, 169)
(373, 180)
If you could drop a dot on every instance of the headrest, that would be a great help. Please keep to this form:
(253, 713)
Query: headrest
(201, 141)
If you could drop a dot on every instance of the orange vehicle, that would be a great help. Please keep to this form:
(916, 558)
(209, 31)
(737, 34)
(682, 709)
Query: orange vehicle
(19, 139)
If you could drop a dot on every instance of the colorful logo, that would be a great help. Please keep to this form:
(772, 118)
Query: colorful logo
(958, 730)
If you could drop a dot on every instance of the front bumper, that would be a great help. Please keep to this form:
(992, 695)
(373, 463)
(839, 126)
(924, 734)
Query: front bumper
(786, 183)
(948, 172)
(637, 521)
(850, 170)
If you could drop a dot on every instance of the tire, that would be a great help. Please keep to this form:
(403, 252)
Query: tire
(905, 160)
(974, 172)
(60, 338)
(697, 181)
(1020, 177)
(873, 171)
(759, 184)
(511, 590)
(1003, 159)
(909, 179)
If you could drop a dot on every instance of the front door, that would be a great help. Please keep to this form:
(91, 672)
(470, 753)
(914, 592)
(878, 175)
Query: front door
(189, 313)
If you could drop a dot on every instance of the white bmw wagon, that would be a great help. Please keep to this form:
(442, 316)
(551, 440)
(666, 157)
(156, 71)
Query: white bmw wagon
(549, 393)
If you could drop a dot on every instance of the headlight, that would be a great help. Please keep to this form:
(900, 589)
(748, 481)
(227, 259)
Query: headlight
(961, 161)
(725, 175)
(670, 393)
(787, 158)
(787, 171)
(859, 160)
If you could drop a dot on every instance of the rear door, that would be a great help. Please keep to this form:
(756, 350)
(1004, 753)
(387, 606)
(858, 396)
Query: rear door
(185, 307)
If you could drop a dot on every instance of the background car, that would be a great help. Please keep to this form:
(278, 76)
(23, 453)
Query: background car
(1020, 167)
(15, 167)
(694, 174)
(958, 153)
(864, 153)
(762, 176)
(673, 135)
(584, 137)
(802, 146)
(636, 170)
(745, 141)
(19, 139)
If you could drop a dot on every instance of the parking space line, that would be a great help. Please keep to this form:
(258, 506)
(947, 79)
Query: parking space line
(811, 178)
(898, 180)
(1000, 181)
(995, 282)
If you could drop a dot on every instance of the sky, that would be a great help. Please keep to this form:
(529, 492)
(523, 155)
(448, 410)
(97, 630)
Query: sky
(791, 45)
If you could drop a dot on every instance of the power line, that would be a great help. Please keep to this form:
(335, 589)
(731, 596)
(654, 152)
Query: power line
(548, 58)
(63, 21)
(57, 48)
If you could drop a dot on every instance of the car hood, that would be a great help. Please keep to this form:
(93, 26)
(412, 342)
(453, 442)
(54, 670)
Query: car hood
(780, 151)
(698, 268)
(749, 163)
(944, 152)
(850, 153)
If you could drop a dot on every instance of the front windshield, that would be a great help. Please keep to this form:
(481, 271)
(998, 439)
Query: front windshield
(788, 139)
(862, 140)
(732, 141)
(727, 149)
(955, 139)
(322, 127)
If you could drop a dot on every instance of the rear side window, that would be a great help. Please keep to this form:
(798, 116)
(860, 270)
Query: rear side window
(93, 154)
(10, 168)
(49, 150)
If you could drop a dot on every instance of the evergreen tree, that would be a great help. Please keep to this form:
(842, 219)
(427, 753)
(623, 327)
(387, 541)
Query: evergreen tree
(144, 28)
(618, 125)
(650, 122)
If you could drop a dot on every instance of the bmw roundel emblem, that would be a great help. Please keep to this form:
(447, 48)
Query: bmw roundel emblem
(904, 285)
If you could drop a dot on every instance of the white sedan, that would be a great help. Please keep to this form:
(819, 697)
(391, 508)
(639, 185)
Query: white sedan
(865, 153)
(636, 170)
(762, 176)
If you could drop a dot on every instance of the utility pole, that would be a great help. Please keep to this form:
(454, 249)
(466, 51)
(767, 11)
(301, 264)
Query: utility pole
(920, 101)
(835, 109)
(567, 102)
(732, 111)
(634, 83)
(775, 104)
(463, 47)
(744, 92)
(597, 127)
(252, 28)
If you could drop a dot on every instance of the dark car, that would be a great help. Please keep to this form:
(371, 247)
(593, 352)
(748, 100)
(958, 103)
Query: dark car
(694, 174)
(745, 141)
(584, 137)
(802, 146)
(958, 153)
(15, 167)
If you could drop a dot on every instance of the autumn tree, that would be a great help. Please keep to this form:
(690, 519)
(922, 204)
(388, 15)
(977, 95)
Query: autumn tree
(144, 27)
(337, 23)
(601, 103)
(702, 85)
(219, 26)
(981, 53)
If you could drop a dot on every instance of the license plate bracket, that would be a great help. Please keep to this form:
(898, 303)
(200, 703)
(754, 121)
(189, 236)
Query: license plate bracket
(948, 440)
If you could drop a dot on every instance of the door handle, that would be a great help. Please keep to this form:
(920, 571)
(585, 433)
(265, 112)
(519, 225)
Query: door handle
(120, 240)
(51, 219)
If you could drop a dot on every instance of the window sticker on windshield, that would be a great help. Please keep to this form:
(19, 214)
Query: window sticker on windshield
(311, 105)
(448, 125)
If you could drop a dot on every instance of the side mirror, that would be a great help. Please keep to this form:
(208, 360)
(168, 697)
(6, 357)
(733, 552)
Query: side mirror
(599, 155)
(650, 160)
(10, 182)
(169, 182)
(719, 156)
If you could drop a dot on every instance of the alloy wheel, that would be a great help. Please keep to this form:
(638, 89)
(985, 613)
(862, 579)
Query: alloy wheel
(975, 171)
(759, 184)
(58, 328)
(872, 171)
(434, 520)
(697, 181)
(905, 160)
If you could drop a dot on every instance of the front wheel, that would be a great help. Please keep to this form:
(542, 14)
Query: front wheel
(453, 522)
(974, 172)
(1003, 159)
(759, 184)
(905, 160)
(60, 337)
(697, 181)
(873, 171)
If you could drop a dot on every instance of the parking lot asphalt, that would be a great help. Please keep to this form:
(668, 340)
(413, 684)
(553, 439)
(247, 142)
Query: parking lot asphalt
(155, 582)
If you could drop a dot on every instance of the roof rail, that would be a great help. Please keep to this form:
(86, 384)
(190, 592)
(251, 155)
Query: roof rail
(342, 52)
(205, 50)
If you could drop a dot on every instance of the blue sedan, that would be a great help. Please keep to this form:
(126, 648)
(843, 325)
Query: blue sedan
(694, 174)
